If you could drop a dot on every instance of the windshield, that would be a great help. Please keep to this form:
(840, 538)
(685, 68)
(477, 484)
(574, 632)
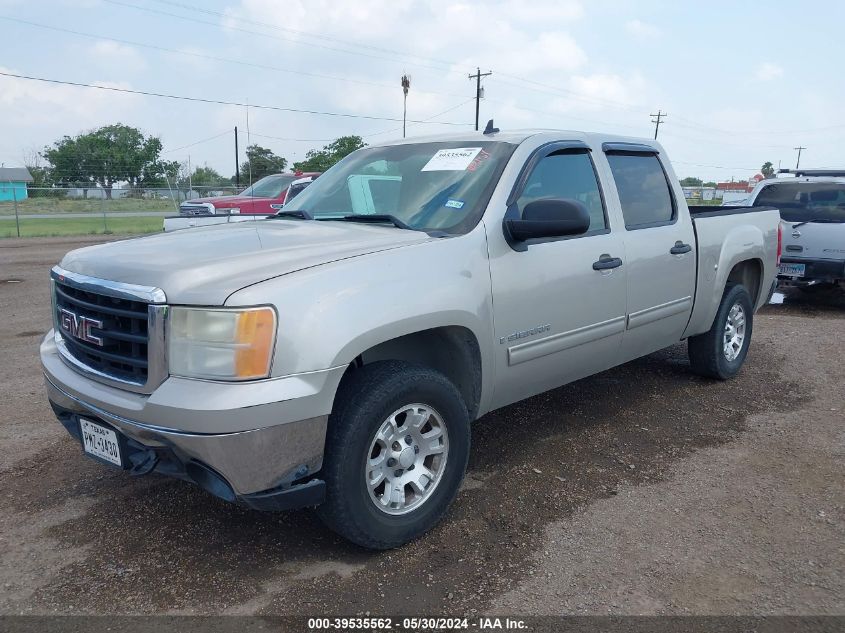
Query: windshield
(428, 186)
(805, 201)
(269, 186)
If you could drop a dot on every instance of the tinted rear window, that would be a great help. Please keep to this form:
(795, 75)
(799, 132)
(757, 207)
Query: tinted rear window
(805, 201)
(643, 190)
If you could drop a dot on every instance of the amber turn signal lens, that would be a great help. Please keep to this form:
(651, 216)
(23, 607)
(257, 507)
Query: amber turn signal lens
(255, 334)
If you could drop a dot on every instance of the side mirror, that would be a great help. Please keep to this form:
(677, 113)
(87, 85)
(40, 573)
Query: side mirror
(549, 217)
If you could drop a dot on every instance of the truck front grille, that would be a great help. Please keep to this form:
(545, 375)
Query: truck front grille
(107, 334)
(196, 209)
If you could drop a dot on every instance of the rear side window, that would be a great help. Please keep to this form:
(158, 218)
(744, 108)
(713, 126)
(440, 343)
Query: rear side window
(568, 175)
(643, 190)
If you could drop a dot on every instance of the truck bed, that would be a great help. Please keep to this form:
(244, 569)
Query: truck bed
(711, 211)
(723, 236)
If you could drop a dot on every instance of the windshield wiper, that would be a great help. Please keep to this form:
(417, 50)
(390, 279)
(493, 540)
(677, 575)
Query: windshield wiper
(299, 214)
(376, 218)
(818, 221)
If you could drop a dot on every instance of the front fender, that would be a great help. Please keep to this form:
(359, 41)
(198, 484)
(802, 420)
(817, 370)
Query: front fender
(330, 314)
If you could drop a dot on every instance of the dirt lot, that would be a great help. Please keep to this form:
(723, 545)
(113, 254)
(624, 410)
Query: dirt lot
(642, 490)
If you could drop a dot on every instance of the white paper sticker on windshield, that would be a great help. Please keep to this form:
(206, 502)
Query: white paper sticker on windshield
(456, 159)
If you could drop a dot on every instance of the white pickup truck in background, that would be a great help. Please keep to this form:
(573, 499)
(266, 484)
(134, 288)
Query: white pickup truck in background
(812, 207)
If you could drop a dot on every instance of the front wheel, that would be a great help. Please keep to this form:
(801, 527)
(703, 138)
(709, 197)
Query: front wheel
(721, 351)
(396, 452)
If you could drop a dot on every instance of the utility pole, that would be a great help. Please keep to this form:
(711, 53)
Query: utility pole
(406, 85)
(237, 168)
(190, 179)
(657, 120)
(477, 76)
(798, 162)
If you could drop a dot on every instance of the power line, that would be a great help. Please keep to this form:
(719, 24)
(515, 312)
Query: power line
(205, 140)
(393, 52)
(265, 35)
(198, 55)
(217, 101)
(293, 140)
(427, 120)
(681, 162)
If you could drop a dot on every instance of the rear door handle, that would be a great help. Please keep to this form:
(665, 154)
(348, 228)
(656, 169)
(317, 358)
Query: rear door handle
(606, 262)
(680, 248)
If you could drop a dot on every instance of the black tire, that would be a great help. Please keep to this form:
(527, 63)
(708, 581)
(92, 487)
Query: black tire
(365, 399)
(706, 351)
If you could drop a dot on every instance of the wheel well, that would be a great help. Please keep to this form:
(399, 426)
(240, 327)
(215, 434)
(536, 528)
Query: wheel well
(749, 273)
(452, 350)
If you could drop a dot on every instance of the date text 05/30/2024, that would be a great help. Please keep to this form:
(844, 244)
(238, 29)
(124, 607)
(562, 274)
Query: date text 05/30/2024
(416, 624)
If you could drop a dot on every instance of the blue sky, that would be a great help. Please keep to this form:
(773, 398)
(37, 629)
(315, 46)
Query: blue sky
(743, 82)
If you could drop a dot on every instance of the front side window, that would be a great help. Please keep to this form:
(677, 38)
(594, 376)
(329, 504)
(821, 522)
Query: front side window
(568, 175)
(428, 186)
(643, 190)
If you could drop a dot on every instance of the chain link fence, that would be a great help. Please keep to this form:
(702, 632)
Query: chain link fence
(35, 211)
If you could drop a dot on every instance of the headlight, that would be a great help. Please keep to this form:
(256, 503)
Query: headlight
(227, 210)
(221, 344)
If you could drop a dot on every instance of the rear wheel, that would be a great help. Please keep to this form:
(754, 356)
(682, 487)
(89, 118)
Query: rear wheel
(396, 453)
(721, 351)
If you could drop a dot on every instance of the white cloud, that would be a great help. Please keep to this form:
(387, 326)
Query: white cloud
(603, 89)
(768, 71)
(642, 30)
(121, 57)
(68, 108)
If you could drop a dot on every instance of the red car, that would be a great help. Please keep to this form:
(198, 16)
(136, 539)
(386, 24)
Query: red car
(264, 197)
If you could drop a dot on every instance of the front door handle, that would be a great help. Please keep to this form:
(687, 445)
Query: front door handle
(606, 262)
(680, 248)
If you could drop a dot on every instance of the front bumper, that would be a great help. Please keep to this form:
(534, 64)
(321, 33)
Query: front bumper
(266, 454)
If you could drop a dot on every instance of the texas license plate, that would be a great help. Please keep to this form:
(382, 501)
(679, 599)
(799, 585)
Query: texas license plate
(791, 270)
(101, 442)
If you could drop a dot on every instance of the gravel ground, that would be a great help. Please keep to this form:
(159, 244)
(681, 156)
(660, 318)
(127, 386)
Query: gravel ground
(644, 489)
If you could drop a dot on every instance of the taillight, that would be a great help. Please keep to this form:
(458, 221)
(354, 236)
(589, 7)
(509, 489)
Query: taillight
(780, 241)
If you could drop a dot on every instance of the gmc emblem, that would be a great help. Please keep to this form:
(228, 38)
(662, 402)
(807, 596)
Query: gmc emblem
(80, 327)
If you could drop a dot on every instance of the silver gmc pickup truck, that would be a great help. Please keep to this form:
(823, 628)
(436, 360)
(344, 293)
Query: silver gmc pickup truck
(336, 354)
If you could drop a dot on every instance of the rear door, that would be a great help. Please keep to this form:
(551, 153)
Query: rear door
(557, 318)
(660, 250)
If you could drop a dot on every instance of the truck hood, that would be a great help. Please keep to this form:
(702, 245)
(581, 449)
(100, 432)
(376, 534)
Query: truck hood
(203, 266)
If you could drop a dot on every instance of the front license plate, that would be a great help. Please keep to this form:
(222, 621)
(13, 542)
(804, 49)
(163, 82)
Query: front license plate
(100, 441)
(792, 270)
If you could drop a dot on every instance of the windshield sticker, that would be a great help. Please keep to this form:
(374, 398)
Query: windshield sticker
(456, 159)
(454, 204)
(476, 162)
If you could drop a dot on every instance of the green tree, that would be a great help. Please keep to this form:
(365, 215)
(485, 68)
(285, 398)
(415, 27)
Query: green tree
(67, 160)
(206, 176)
(321, 160)
(768, 170)
(42, 178)
(109, 155)
(261, 162)
(710, 183)
(691, 181)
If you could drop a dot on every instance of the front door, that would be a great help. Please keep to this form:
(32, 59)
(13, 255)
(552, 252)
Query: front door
(557, 317)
